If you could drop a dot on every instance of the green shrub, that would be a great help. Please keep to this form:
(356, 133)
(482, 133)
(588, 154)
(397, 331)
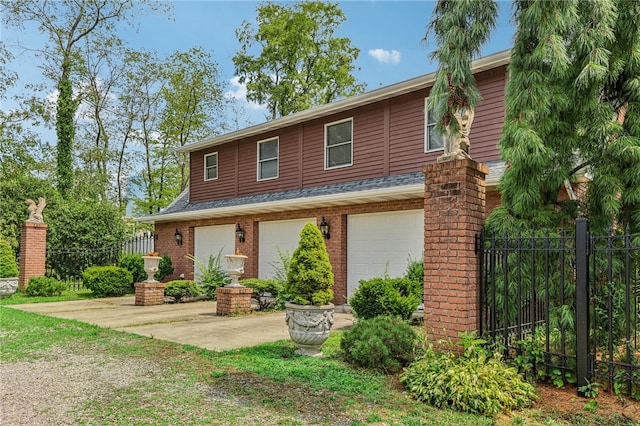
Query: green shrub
(386, 296)
(165, 268)
(381, 343)
(415, 271)
(265, 292)
(474, 382)
(179, 289)
(133, 263)
(309, 278)
(210, 276)
(106, 281)
(8, 267)
(45, 287)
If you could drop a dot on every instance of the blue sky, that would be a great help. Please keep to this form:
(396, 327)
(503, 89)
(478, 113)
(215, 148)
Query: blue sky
(388, 33)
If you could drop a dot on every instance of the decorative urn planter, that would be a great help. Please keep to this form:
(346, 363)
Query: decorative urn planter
(309, 326)
(8, 287)
(235, 268)
(151, 265)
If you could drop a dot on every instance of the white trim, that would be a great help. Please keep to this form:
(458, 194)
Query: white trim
(217, 165)
(482, 64)
(426, 129)
(326, 147)
(277, 158)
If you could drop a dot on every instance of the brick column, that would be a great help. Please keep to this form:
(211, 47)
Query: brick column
(149, 293)
(454, 209)
(233, 300)
(33, 252)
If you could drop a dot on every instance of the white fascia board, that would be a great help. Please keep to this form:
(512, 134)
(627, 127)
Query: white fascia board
(479, 65)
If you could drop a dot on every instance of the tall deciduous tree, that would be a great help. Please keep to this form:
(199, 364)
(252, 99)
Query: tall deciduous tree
(67, 23)
(292, 60)
(572, 106)
(460, 28)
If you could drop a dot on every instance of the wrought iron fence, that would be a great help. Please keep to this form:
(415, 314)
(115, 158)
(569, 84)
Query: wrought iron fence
(68, 264)
(572, 297)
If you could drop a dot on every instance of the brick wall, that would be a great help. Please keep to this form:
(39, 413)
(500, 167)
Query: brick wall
(149, 293)
(454, 206)
(33, 252)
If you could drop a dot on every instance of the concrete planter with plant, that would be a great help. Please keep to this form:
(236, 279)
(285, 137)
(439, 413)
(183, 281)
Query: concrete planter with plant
(309, 286)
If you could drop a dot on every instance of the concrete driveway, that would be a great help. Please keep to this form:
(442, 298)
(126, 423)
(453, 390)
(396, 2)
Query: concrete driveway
(190, 323)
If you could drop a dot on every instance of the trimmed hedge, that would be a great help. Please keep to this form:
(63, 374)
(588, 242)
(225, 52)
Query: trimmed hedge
(8, 267)
(45, 287)
(265, 292)
(179, 289)
(105, 281)
(386, 296)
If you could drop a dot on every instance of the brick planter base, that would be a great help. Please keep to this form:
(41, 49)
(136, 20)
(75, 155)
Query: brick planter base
(233, 300)
(149, 293)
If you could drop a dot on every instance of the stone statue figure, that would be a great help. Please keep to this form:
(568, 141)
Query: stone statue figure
(35, 210)
(457, 147)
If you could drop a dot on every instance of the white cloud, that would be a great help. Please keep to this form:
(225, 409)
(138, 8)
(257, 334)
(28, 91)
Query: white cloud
(385, 56)
(238, 92)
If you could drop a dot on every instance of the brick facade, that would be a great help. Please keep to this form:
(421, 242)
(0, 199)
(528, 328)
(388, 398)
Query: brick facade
(149, 293)
(33, 252)
(233, 300)
(454, 209)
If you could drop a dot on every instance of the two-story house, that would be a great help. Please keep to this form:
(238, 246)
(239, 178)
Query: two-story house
(354, 166)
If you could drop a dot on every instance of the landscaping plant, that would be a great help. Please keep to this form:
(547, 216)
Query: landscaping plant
(386, 296)
(475, 382)
(179, 289)
(134, 263)
(105, 281)
(382, 343)
(8, 266)
(45, 287)
(310, 278)
(210, 276)
(265, 292)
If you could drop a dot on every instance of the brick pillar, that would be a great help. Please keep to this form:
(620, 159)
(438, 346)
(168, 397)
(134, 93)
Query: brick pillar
(33, 252)
(454, 209)
(149, 293)
(233, 300)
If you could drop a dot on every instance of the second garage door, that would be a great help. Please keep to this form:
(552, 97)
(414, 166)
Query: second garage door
(274, 235)
(380, 243)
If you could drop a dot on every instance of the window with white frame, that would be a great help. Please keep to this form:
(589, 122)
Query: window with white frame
(211, 166)
(433, 141)
(338, 137)
(268, 159)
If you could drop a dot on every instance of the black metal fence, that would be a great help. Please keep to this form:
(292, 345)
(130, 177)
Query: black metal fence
(68, 264)
(564, 305)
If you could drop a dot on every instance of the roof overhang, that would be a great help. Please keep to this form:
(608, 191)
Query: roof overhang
(483, 64)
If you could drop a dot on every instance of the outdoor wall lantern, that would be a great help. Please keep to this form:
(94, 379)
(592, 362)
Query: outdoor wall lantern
(324, 228)
(178, 237)
(240, 234)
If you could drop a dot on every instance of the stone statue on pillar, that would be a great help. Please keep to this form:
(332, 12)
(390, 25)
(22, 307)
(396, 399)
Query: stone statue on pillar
(456, 147)
(35, 210)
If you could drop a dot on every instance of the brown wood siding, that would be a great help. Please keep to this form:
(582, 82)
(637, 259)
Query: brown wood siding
(390, 130)
(368, 148)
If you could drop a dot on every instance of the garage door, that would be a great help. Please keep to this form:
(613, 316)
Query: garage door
(211, 240)
(380, 243)
(274, 235)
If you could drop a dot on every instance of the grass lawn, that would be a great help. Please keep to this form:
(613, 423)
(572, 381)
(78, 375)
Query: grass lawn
(134, 380)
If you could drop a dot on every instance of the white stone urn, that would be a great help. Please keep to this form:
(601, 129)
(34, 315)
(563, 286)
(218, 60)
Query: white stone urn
(309, 326)
(151, 265)
(8, 287)
(235, 268)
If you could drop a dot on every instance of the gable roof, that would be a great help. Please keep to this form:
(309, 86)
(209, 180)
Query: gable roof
(482, 64)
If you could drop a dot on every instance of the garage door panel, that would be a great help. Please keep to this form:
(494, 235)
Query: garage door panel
(274, 235)
(382, 243)
(211, 240)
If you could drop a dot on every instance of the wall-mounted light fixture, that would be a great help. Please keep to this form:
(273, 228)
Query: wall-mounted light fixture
(240, 233)
(178, 237)
(324, 228)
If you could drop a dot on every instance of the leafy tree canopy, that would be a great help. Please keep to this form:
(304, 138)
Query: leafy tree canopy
(292, 60)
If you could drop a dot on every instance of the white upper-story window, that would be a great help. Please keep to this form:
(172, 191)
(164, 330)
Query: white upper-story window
(268, 159)
(432, 140)
(211, 166)
(338, 142)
